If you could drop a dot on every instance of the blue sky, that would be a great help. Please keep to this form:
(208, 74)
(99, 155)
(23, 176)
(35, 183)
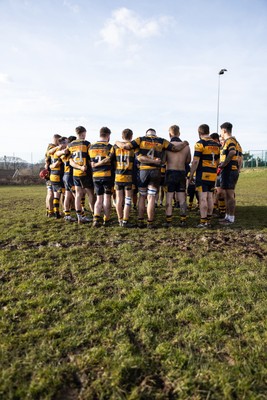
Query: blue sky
(134, 64)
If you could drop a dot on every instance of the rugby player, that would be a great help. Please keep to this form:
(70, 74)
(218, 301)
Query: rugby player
(82, 173)
(101, 156)
(175, 179)
(56, 175)
(205, 162)
(231, 161)
(124, 162)
(49, 194)
(150, 153)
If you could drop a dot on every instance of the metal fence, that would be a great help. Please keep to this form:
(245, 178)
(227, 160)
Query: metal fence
(29, 161)
(255, 158)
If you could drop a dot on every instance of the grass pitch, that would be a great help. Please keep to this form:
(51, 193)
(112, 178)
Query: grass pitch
(133, 314)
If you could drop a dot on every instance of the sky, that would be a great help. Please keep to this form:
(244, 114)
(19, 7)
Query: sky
(134, 64)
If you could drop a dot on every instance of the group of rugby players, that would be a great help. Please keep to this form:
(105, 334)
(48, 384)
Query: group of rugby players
(75, 167)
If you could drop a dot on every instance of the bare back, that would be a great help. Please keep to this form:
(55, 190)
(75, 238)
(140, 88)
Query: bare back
(177, 160)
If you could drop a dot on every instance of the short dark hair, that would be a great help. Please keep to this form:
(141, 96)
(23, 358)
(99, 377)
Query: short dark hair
(227, 126)
(62, 139)
(80, 129)
(56, 136)
(127, 134)
(71, 138)
(105, 131)
(204, 129)
(215, 136)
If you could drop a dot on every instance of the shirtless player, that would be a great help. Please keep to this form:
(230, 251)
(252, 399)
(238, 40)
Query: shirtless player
(175, 179)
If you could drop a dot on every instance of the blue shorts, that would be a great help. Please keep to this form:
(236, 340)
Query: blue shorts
(68, 183)
(175, 181)
(103, 186)
(205, 187)
(229, 179)
(84, 182)
(149, 177)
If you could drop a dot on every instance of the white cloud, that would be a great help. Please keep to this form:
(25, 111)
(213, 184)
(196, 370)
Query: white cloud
(126, 25)
(4, 78)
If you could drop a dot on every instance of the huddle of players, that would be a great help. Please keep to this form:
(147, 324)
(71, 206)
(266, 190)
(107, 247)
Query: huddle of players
(81, 167)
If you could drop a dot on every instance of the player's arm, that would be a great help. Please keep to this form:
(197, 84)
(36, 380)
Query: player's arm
(62, 152)
(53, 150)
(188, 157)
(55, 164)
(178, 146)
(229, 157)
(105, 161)
(77, 166)
(193, 169)
(147, 159)
(123, 145)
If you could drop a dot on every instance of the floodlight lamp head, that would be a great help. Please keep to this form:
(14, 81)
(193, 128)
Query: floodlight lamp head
(222, 71)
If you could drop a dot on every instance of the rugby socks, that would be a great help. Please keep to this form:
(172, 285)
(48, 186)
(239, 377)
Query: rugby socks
(209, 219)
(96, 218)
(222, 207)
(66, 213)
(56, 205)
(83, 202)
(203, 220)
(141, 222)
(169, 219)
(149, 223)
(182, 218)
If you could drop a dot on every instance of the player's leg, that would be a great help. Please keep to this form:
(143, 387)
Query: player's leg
(154, 177)
(49, 200)
(203, 207)
(57, 193)
(210, 206)
(151, 199)
(127, 206)
(183, 207)
(168, 209)
(142, 189)
(119, 202)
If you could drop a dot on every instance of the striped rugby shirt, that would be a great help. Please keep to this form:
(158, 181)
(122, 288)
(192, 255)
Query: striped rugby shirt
(97, 152)
(124, 165)
(207, 151)
(231, 144)
(79, 154)
(151, 146)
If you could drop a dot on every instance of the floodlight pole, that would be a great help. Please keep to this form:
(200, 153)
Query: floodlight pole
(221, 72)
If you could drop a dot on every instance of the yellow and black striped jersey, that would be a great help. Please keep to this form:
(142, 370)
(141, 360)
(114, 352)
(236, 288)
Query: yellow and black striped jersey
(124, 162)
(231, 144)
(163, 170)
(56, 173)
(47, 155)
(207, 151)
(151, 146)
(68, 170)
(79, 154)
(97, 152)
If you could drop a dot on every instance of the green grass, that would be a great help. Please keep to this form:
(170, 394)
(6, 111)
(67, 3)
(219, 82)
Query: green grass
(133, 314)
